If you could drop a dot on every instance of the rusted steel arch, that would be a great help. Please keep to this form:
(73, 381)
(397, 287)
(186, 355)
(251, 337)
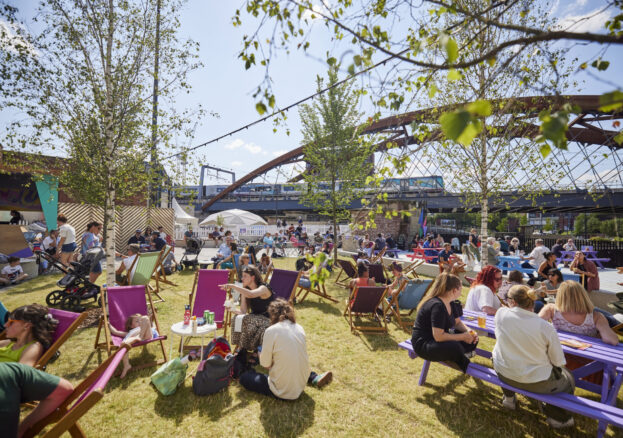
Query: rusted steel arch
(529, 106)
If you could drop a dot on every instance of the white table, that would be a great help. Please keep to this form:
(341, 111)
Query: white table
(187, 330)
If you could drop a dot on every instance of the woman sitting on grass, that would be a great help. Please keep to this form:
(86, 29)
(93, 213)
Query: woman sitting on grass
(247, 329)
(29, 332)
(138, 328)
(528, 355)
(438, 333)
(284, 355)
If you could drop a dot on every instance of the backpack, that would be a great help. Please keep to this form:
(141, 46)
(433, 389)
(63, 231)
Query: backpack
(216, 369)
(169, 376)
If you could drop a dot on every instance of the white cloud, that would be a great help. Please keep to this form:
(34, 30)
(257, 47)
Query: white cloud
(592, 21)
(236, 163)
(238, 143)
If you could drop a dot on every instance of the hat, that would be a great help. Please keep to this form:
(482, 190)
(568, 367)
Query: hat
(138, 231)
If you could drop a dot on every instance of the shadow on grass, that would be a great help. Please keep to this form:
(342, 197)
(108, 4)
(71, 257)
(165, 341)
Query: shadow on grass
(285, 418)
(323, 306)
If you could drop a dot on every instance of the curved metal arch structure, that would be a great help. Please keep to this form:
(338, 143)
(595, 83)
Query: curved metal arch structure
(581, 129)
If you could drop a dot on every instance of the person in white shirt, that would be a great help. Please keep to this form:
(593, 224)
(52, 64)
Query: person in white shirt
(67, 245)
(527, 355)
(163, 235)
(126, 264)
(49, 243)
(536, 257)
(284, 354)
(12, 273)
(482, 295)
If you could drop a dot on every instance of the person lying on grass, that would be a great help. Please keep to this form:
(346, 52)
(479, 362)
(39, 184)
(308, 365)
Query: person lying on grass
(138, 328)
(284, 355)
(29, 332)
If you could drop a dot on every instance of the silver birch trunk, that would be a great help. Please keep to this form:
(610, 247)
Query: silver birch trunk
(109, 133)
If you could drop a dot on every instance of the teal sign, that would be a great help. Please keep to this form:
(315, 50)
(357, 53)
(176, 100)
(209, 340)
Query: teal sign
(47, 187)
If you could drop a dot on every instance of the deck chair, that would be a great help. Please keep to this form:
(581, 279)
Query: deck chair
(377, 258)
(124, 301)
(317, 289)
(207, 295)
(233, 272)
(68, 322)
(284, 283)
(363, 302)
(409, 270)
(159, 273)
(347, 268)
(408, 297)
(84, 397)
(144, 268)
(377, 271)
(268, 273)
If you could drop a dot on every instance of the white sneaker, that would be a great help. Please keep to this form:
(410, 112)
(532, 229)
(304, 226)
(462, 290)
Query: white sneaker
(470, 354)
(555, 424)
(509, 402)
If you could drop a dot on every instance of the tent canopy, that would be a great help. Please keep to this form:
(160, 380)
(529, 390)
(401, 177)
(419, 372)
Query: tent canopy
(181, 217)
(234, 217)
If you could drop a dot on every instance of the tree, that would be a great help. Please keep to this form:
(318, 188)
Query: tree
(549, 226)
(502, 225)
(337, 157)
(402, 34)
(85, 84)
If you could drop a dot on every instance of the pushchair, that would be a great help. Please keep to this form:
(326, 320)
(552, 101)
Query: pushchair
(75, 284)
(193, 248)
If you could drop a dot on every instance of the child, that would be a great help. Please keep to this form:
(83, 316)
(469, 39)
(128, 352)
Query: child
(138, 328)
(12, 273)
(243, 262)
(468, 257)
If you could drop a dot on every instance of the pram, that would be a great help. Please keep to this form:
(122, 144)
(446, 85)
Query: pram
(75, 284)
(193, 248)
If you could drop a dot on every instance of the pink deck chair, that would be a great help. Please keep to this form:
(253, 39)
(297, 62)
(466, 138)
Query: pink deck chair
(207, 295)
(124, 301)
(68, 322)
(284, 283)
(83, 397)
(363, 302)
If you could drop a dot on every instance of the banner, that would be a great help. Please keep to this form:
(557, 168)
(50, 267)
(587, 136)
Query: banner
(47, 187)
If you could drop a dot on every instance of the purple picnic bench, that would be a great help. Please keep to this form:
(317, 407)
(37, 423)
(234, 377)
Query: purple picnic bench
(589, 253)
(605, 358)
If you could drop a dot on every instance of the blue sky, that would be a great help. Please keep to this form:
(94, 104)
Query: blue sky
(223, 85)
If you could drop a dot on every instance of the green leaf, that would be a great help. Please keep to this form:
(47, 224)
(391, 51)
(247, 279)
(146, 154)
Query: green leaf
(545, 150)
(332, 61)
(271, 101)
(619, 138)
(452, 50)
(454, 123)
(454, 75)
(491, 62)
(480, 108)
(600, 65)
(611, 101)
(432, 90)
(260, 108)
(470, 132)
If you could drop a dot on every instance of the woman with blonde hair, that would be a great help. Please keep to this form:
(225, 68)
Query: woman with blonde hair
(438, 332)
(527, 355)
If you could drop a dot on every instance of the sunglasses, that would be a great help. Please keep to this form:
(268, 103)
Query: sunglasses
(11, 321)
(498, 278)
(551, 275)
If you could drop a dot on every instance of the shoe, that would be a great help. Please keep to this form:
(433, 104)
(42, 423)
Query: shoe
(323, 379)
(555, 424)
(470, 354)
(509, 402)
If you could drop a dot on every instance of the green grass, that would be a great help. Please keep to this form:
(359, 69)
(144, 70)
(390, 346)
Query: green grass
(374, 391)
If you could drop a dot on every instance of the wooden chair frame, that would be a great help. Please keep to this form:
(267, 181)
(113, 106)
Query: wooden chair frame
(319, 290)
(50, 352)
(392, 308)
(159, 274)
(409, 270)
(108, 344)
(154, 276)
(363, 329)
(346, 281)
(379, 257)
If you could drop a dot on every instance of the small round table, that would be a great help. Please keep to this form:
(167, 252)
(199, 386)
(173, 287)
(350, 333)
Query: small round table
(186, 330)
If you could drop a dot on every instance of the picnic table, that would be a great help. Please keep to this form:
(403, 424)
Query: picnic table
(420, 253)
(390, 252)
(513, 263)
(590, 254)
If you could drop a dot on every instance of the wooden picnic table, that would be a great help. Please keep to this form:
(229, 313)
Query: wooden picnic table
(603, 357)
(567, 257)
(420, 253)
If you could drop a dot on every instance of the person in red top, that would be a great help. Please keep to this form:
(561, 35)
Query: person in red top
(363, 277)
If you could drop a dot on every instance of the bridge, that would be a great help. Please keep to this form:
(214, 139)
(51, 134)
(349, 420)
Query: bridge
(585, 177)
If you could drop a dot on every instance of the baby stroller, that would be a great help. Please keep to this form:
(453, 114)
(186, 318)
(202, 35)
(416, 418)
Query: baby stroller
(193, 248)
(75, 284)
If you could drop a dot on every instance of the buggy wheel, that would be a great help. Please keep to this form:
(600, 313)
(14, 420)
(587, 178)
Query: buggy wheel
(70, 302)
(55, 298)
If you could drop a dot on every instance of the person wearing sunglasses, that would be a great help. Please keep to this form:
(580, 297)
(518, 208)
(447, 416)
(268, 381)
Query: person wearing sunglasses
(29, 332)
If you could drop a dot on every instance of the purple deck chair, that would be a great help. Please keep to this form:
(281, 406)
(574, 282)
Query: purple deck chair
(377, 271)
(284, 283)
(124, 301)
(348, 269)
(83, 397)
(68, 322)
(207, 295)
(363, 302)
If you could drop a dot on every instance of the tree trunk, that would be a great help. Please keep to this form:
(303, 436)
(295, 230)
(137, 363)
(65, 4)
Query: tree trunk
(484, 222)
(109, 133)
(334, 237)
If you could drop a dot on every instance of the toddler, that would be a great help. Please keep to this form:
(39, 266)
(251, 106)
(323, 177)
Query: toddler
(12, 273)
(138, 328)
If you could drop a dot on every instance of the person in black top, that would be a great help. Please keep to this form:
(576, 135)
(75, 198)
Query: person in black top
(137, 238)
(156, 242)
(444, 258)
(256, 297)
(16, 217)
(438, 332)
(557, 249)
(380, 242)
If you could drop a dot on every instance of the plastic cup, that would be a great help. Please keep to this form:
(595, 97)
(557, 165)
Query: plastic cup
(482, 320)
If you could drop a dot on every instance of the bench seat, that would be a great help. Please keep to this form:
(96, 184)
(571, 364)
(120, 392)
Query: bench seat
(573, 403)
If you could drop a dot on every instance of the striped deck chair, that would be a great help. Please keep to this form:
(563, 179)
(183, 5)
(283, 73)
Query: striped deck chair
(124, 301)
(68, 322)
(144, 267)
(284, 283)
(159, 273)
(233, 272)
(377, 271)
(80, 401)
(363, 302)
(207, 295)
(348, 269)
(408, 297)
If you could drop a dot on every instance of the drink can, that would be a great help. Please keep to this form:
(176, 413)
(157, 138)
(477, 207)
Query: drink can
(206, 316)
(211, 318)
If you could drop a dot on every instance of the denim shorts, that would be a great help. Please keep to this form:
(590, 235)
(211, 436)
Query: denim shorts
(97, 268)
(69, 247)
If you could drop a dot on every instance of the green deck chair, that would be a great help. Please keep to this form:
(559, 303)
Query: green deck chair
(144, 267)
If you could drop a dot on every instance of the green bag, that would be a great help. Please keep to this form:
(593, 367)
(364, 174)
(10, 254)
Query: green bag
(169, 376)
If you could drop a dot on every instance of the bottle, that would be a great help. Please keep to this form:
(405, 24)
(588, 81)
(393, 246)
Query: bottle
(186, 314)
(194, 325)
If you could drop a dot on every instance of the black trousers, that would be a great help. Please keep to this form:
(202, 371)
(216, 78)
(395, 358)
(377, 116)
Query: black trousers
(453, 351)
